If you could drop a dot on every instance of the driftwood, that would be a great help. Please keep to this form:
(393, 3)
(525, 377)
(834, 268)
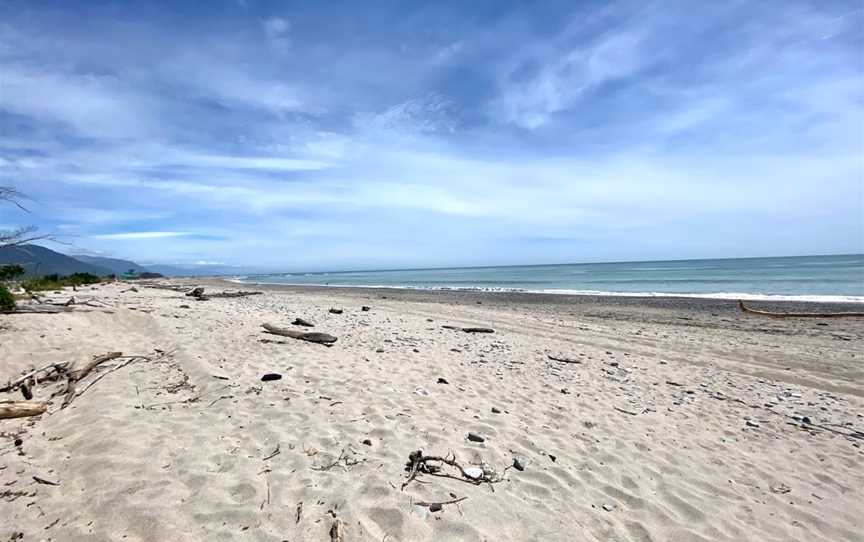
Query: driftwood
(745, 308)
(314, 337)
(77, 373)
(471, 329)
(337, 531)
(430, 464)
(40, 309)
(233, 294)
(52, 368)
(21, 409)
(563, 360)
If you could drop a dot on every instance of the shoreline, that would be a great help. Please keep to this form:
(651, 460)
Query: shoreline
(678, 301)
(729, 296)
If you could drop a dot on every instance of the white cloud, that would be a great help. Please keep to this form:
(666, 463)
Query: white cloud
(140, 235)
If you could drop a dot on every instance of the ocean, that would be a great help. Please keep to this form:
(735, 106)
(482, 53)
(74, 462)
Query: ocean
(805, 278)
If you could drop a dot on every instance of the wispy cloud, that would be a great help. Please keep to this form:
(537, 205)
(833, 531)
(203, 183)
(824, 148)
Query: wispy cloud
(130, 236)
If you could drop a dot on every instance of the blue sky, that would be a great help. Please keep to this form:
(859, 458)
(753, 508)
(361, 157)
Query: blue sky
(331, 135)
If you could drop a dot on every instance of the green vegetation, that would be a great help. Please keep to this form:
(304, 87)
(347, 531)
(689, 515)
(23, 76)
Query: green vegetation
(56, 282)
(11, 272)
(7, 300)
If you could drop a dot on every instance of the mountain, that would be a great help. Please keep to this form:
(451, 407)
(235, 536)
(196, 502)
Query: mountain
(118, 267)
(37, 260)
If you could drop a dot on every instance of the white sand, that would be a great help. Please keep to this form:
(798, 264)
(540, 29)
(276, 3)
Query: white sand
(166, 451)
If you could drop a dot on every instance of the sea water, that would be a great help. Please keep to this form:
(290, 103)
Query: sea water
(816, 278)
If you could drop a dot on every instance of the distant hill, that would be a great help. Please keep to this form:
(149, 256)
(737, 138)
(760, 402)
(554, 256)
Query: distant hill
(38, 260)
(118, 267)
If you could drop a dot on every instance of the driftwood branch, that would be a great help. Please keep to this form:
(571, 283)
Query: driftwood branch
(431, 464)
(57, 367)
(563, 360)
(471, 329)
(21, 409)
(337, 531)
(313, 337)
(747, 309)
(77, 373)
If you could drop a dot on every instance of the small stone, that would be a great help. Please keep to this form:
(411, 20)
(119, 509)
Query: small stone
(496, 410)
(367, 442)
(380, 350)
(302, 322)
(519, 462)
(476, 437)
(474, 472)
(442, 381)
(271, 376)
(364, 308)
(751, 423)
(335, 311)
(608, 507)
(435, 507)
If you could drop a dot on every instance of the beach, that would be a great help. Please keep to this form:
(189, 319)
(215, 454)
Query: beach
(590, 418)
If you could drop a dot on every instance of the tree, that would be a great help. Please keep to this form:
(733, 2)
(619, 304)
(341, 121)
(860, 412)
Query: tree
(11, 272)
(24, 234)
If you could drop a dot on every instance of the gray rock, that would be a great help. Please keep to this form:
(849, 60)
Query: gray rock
(496, 410)
(476, 437)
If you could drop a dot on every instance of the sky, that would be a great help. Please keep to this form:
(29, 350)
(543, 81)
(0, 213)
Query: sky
(387, 134)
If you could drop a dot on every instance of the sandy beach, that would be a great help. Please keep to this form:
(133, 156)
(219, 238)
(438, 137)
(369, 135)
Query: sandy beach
(591, 418)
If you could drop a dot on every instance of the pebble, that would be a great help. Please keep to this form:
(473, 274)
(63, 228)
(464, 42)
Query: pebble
(367, 442)
(364, 308)
(442, 381)
(271, 376)
(751, 423)
(608, 507)
(474, 472)
(435, 507)
(496, 410)
(476, 437)
(520, 462)
(335, 311)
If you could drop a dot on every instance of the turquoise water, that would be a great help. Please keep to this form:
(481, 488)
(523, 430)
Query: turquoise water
(802, 277)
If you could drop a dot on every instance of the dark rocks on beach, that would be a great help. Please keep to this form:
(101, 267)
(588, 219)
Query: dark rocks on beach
(520, 462)
(271, 376)
(435, 507)
(185, 307)
(442, 380)
(478, 330)
(476, 437)
(302, 322)
(196, 292)
(496, 410)
(367, 442)
(335, 311)
(364, 308)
